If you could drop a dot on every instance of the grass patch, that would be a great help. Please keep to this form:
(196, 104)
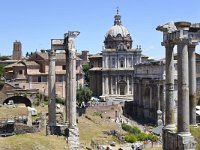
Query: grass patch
(196, 133)
(33, 141)
(93, 130)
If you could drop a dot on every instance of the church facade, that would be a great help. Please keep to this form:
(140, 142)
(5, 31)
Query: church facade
(118, 60)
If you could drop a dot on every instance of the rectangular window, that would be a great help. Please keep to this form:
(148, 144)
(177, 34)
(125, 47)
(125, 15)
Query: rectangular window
(39, 79)
(64, 67)
(20, 71)
(113, 62)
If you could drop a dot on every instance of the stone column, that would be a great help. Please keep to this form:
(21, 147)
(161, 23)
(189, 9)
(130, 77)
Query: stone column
(163, 103)
(70, 49)
(116, 85)
(103, 85)
(183, 89)
(111, 85)
(51, 89)
(66, 116)
(127, 84)
(169, 87)
(150, 101)
(158, 96)
(106, 85)
(192, 83)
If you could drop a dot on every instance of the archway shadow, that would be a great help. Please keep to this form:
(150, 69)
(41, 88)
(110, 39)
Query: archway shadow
(18, 100)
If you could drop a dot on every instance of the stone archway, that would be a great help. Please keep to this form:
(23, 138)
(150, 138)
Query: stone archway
(18, 100)
(122, 87)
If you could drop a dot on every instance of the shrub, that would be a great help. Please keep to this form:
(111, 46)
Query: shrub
(60, 101)
(142, 137)
(130, 138)
(130, 129)
(152, 137)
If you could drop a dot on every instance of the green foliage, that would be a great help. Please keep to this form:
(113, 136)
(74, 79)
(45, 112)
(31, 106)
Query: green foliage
(142, 137)
(1, 84)
(130, 138)
(152, 137)
(198, 102)
(130, 129)
(60, 100)
(98, 114)
(86, 71)
(2, 70)
(196, 133)
(136, 135)
(2, 58)
(83, 95)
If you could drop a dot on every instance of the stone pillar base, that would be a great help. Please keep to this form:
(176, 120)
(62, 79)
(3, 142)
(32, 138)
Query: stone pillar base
(185, 142)
(73, 139)
(169, 139)
(57, 130)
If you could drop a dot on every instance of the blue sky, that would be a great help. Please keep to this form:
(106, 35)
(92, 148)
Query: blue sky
(34, 23)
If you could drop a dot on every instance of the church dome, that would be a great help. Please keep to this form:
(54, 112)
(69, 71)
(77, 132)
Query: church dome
(118, 29)
(118, 36)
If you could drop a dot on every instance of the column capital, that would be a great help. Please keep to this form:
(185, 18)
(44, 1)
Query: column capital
(52, 55)
(182, 41)
(167, 44)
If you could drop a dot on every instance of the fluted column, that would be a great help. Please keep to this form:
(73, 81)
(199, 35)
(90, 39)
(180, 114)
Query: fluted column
(169, 87)
(192, 83)
(51, 89)
(183, 88)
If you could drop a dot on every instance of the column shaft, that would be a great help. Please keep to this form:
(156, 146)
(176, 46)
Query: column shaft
(169, 87)
(127, 84)
(192, 83)
(183, 90)
(103, 85)
(67, 88)
(72, 89)
(51, 89)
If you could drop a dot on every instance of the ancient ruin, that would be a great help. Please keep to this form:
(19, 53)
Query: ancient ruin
(67, 44)
(186, 36)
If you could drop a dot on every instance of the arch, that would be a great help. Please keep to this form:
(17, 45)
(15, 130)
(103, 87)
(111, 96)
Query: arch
(19, 99)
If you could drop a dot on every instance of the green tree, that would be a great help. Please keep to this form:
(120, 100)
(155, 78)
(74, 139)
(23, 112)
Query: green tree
(2, 58)
(83, 95)
(27, 54)
(2, 70)
(86, 71)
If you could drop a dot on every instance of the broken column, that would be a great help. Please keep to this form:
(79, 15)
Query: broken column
(51, 89)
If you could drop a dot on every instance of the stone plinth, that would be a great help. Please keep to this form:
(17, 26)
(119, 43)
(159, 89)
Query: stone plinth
(169, 139)
(185, 142)
(58, 130)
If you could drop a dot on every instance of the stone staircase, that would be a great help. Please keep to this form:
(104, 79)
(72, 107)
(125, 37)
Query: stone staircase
(73, 139)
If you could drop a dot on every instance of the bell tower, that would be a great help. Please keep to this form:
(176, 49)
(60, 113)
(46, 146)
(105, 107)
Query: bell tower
(17, 50)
